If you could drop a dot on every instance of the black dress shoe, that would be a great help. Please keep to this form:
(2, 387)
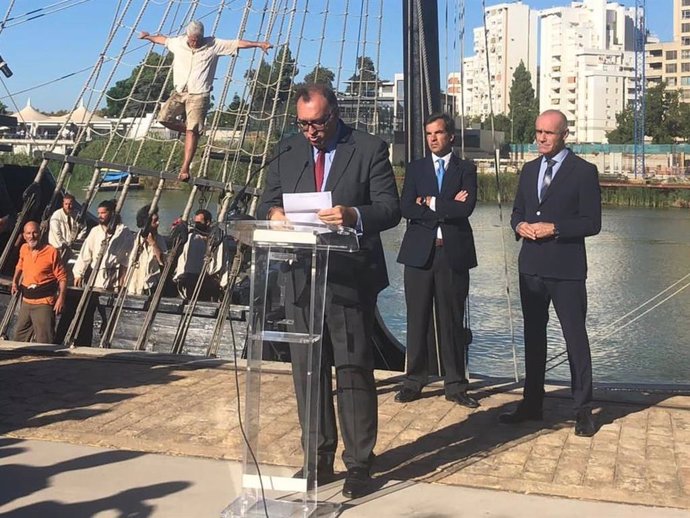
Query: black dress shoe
(462, 398)
(356, 483)
(520, 414)
(407, 394)
(584, 423)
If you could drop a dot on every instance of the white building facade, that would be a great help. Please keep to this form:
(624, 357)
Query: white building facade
(587, 65)
(512, 38)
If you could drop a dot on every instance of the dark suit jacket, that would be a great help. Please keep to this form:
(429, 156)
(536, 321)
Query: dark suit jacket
(451, 215)
(361, 176)
(573, 203)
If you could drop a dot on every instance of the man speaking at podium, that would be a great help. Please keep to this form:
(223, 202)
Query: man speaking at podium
(354, 167)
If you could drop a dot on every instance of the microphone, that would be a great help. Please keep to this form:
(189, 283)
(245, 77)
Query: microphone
(241, 192)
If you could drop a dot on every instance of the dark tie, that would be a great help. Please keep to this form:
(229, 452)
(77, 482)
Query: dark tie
(547, 178)
(69, 222)
(440, 172)
(319, 169)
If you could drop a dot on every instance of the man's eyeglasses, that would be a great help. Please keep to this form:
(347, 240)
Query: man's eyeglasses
(318, 124)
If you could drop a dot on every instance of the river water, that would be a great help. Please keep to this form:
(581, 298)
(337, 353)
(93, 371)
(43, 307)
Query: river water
(638, 254)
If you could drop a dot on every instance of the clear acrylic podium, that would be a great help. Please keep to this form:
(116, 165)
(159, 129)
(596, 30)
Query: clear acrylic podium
(281, 253)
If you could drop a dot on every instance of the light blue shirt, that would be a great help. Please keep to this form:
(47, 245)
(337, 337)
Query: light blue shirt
(560, 156)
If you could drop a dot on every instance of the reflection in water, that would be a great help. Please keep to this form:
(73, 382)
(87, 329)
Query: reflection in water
(639, 253)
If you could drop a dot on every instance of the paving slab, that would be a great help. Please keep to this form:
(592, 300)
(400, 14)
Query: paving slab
(184, 407)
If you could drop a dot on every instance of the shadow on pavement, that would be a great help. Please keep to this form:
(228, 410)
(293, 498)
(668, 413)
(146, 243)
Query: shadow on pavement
(449, 449)
(39, 390)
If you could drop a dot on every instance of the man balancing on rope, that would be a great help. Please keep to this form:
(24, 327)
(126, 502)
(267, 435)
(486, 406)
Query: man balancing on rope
(194, 67)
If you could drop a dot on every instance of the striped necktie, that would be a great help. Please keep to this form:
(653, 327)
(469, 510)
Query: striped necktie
(548, 174)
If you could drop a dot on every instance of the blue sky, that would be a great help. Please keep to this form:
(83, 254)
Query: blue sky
(70, 40)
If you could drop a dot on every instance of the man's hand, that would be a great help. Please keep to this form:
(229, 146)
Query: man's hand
(59, 304)
(14, 288)
(265, 45)
(277, 214)
(339, 216)
(419, 200)
(543, 230)
(534, 231)
(144, 35)
(77, 282)
(461, 196)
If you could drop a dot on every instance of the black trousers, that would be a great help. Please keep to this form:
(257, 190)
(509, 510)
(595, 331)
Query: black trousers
(347, 345)
(436, 288)
(570, 302)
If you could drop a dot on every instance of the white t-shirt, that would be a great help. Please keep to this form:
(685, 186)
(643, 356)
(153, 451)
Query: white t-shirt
(194, 69)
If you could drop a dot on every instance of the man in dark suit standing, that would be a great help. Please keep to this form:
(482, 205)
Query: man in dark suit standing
(439, 195)
(354, 166)
(557, 205)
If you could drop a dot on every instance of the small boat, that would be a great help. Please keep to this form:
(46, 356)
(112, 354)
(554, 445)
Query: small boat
(112, 180)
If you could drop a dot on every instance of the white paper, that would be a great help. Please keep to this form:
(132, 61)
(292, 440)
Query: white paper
(302, 207)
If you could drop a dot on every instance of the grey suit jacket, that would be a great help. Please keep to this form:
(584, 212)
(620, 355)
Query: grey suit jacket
(361, 176)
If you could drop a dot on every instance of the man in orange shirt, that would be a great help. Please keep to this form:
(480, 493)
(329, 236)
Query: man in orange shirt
(42, 281)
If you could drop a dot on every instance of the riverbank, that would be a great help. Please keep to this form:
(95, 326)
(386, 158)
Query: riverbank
(187, 407)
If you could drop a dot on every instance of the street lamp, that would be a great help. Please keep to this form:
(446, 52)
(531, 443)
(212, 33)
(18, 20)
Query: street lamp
(4, 68)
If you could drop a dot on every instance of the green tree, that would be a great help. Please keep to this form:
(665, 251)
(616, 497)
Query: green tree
(145, 94)
(364, 82)
(662, 114)
(273, 81)
(501, 123)
(624, 132)
(228, 116)
(320, 75)
(524, 107)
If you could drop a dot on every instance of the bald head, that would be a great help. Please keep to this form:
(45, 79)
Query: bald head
(551, 130)
(30, 234)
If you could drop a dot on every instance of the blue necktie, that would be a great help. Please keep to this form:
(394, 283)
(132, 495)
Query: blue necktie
(546, 181)
(440, 172)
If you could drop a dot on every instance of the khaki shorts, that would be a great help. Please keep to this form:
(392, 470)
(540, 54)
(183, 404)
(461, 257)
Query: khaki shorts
(192, 106)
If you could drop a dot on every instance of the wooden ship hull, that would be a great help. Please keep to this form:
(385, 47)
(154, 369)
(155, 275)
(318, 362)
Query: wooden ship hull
(171, 308)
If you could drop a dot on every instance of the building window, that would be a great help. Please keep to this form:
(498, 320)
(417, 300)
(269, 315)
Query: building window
(685, 27)
(685, 67)
(672, 54)
(686, 3)
(685, 14)
(685, 80)
(685, 41)
(671, 68)
(685, 54)
(671, 81)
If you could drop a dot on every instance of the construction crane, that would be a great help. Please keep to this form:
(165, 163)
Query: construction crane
(640, 87)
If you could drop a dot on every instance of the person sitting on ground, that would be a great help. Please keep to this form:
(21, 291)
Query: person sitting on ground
(63, 223)
(41, 279)
(191, 261)
(147, 269)
(194, 67)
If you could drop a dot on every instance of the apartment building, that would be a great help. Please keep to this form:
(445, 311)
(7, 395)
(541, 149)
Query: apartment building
(587, 65)
(670, 61)
(511, 37)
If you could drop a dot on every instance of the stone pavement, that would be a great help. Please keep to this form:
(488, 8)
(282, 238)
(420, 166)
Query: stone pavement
(146, 403)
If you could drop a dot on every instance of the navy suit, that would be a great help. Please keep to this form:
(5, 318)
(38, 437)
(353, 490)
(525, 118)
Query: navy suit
(437, 273)
(555, 269)
(361, 176)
